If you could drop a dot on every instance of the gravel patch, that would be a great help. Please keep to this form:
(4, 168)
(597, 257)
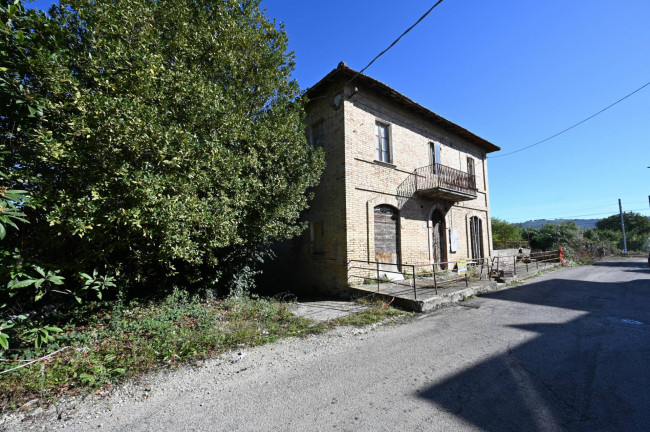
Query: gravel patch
(199, 381)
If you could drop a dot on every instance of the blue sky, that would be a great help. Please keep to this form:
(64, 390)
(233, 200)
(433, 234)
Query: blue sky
(513, 72)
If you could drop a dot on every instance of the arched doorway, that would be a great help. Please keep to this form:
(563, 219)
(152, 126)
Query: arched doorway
(438, 237)
(387, 241)
(476, 237)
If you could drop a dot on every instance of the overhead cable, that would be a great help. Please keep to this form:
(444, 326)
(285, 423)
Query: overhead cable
(395, 41)
(573, 126)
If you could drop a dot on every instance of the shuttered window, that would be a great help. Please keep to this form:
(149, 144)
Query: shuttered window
(434, 148)
(382, 135)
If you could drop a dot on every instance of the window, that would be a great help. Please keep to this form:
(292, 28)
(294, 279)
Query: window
(317, 231)
(382, 134)
(316, 134)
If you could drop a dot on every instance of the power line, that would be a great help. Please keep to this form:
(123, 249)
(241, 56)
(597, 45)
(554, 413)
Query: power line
(575, 125)
(395, 41)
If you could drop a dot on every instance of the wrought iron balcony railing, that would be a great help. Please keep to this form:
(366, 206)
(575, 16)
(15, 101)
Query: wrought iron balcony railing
(440, 181)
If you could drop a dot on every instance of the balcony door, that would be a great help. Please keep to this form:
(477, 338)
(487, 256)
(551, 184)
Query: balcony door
(471, 172)
(434, 152)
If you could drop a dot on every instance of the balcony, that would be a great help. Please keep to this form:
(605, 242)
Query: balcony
(439, 181)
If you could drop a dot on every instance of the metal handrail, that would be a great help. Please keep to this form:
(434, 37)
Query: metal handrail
(509, 262)
(511, 244)
(448, 266)
(376, 268)
(441, 176)
(494, 266)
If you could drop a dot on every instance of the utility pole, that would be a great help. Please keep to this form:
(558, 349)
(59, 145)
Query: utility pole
(620, 209)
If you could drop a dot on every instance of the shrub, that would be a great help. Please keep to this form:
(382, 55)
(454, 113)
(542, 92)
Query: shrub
(160, 138)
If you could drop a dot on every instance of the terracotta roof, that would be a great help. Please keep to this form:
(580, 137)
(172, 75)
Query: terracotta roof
(343, 72)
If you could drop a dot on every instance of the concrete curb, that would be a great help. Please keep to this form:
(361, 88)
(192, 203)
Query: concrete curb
(456, 297)
(434, 302)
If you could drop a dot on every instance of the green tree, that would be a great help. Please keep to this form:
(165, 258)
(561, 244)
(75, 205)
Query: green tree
(605, 236)
(163, 138)
(635, 223)
(504, 232)
(550, 236)
(637, 231)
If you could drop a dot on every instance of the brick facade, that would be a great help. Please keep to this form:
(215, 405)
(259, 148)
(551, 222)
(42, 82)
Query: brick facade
(355, 182)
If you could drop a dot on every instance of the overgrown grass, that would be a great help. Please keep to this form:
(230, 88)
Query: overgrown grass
(370, 281)
(536, 274)
(111, 346)
(376, 312)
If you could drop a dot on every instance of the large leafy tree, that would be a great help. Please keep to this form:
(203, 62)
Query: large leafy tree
(550, 236)
(504, 232)
(637, 230)
(635, 223)
(159, 137)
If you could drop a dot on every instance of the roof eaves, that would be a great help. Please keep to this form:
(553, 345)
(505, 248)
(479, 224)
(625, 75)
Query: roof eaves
(344, 72)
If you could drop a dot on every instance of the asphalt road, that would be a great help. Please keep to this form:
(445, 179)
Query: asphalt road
(569, 350)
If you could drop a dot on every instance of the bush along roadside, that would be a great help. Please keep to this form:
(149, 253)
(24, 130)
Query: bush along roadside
(96, 349)
(130, 339)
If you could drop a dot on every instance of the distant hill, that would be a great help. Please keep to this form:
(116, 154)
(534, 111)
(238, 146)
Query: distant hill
(538, 223)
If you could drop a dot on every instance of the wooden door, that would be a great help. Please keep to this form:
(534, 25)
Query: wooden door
(387, 241)
(439, 238)
(476, 236)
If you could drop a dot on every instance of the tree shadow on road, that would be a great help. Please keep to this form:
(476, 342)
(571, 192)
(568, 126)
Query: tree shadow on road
(591, 373)
(622, 264)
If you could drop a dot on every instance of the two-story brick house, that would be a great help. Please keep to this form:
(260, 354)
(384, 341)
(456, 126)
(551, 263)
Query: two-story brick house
(402, 185)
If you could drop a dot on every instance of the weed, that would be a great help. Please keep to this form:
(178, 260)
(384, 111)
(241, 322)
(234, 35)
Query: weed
(541, 272)
(141, 336)
(376, 311)
(383, 279)
(473, 274)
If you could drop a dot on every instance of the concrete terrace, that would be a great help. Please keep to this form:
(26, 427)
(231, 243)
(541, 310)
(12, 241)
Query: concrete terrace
(452, 289)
